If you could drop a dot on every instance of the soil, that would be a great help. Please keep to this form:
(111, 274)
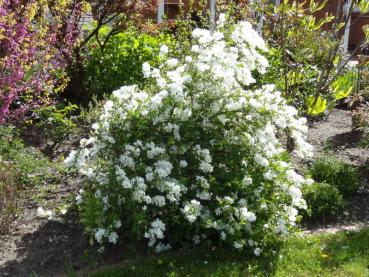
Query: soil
(336, 137)
(40, 247)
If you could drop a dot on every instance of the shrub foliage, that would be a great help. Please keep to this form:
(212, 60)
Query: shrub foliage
(195, 154)
(120, 61)
(336, 173)
(323, 201)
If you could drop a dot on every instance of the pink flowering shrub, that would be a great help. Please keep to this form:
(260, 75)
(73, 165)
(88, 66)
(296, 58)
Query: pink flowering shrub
(36, 40)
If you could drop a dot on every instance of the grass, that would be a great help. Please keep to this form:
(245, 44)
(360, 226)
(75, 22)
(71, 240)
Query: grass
(341, 254)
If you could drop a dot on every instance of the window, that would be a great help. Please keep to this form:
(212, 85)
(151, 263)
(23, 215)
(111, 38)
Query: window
(172, 9)
(276, 2)
(169, 8)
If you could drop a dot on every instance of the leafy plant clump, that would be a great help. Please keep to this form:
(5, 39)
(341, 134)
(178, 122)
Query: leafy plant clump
(194, 156)
(31, 165)
(120, 61)
(56, 124)
(323, 201)
(336, 173)
(309, 64)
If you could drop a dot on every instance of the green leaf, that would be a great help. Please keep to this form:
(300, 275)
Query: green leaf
(364, 6)
(316, 105)
(343, 94)
(343, 86)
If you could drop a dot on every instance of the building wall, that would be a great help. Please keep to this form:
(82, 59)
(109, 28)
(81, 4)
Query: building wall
(356, 35)
(358, 21)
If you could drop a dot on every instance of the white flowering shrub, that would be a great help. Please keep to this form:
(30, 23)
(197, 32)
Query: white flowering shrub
(196, 155)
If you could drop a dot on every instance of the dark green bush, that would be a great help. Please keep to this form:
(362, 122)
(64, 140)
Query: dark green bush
(323, 201)
(336, 173)
(119, 61)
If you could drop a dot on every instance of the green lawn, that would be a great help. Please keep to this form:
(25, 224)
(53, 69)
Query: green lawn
(341, 254)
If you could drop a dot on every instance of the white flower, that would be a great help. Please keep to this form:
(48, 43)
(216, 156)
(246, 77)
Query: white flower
(195, 48)
(269, 175)
(203, 195)
(261, 160)
(237, 245)
(45, 214)
(99, 234)
(292, 214)
(159, 200)
(154, 151)
(163, 168)
(71, 159)
(188, 59)
(183, 164)
(49, 214)
(108, 106)
(192, 210)
(118, 224)
(113, 237)
(161, 247)
(206, 167)
(164, 50)
(155, 232)
(257, 251)
(247, 215)
(172, 62)
(79, 199)
(247, 180)
(40, 212)
(127, 161)
(146, 70)
(221, 20)
(250, 242)
(95, 126)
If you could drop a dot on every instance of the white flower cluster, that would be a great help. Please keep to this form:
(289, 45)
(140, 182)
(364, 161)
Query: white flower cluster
(197, 150)
(45, 213)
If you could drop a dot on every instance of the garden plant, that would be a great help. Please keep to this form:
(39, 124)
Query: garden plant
(36, 41)
(308, 61)
(195, 155)
(226, 135)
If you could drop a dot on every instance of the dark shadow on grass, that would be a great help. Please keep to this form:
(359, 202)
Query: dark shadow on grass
(196, 261)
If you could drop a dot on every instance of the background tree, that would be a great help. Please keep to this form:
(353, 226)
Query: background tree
(119, 16)
(307, 55)
(36, 41)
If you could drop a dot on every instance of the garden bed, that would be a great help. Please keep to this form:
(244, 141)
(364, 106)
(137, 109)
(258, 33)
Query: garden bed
(334, 137)
(58, 246)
